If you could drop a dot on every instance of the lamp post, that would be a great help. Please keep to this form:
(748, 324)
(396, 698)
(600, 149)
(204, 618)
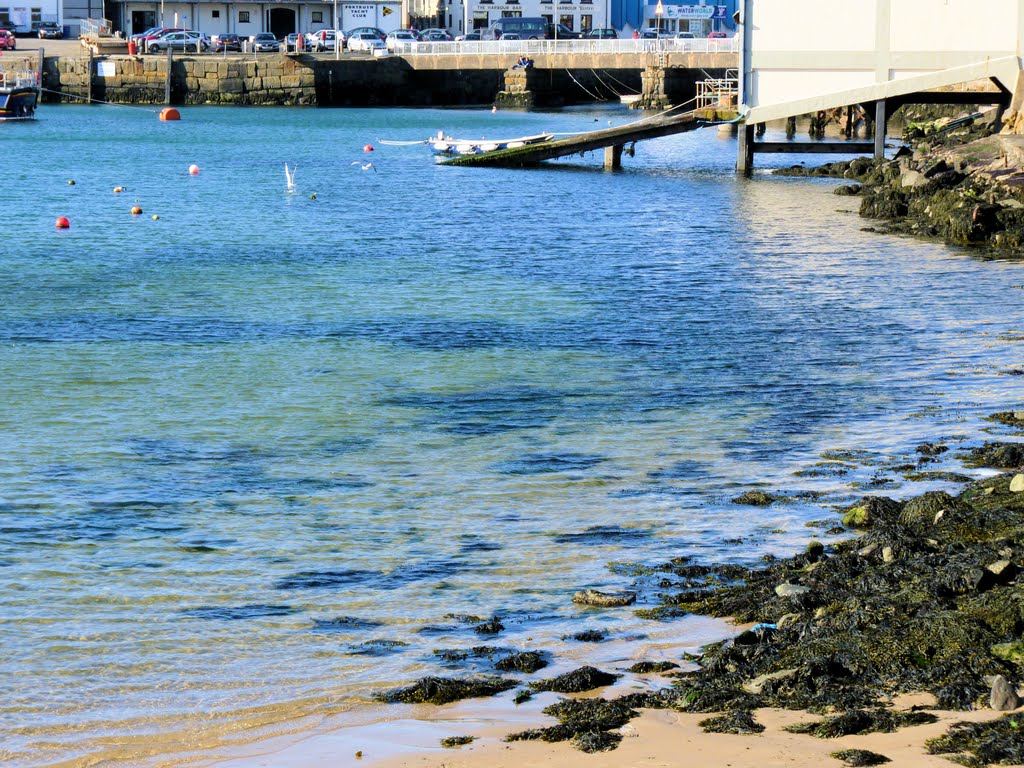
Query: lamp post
(337, 42)
(465, 18)
(658, 10)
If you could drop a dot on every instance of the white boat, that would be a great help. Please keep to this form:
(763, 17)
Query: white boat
(446, 145)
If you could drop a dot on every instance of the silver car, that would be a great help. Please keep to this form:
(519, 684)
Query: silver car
(180, 41)
(365, 41)
(265, 42)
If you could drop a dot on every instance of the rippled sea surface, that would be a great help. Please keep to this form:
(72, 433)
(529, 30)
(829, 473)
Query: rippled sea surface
(254, 452)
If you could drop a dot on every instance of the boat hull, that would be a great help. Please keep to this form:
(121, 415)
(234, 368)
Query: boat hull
(18, 103)
(449, 146)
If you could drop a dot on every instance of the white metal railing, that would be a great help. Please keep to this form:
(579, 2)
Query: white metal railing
(96, 27)
(720, 92)
(18, 73)
(537, 47)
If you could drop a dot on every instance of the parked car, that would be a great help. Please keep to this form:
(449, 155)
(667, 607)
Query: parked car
(399, 36)
(7, 40)
(471, 37)
(186, 40)
(602, 34)
(365, 41)
(143, 41)
(265, 42)
(651, 34)
(435, 35)
(717, 35)
(229, 41)
(50, 30)
(685, 36)
(563, 32)
(291, 41)
(324, 40)
(372, 30)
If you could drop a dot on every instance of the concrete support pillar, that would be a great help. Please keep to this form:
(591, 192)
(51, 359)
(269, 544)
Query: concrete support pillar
(881, 123)
(167, 82)
(745, 153)
(613, 157)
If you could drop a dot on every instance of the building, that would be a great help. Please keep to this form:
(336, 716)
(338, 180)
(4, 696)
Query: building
(25, 16)
(247, 18)
(700, 17)
(579, 15)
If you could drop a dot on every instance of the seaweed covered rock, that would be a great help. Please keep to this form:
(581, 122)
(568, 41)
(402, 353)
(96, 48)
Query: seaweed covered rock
(451, 742)
(929, 508)
(999, 455)
(491, 627)
(603, 599)
(734, 721)
(860, 757)
(647, 667)
(994, 495)
(584, 722)
(869, 511)
(588, 636)
(756, 499)
(998, 742)
(524, 661)
(444, 690)
(1009, 418)
(859, 721)
(577, 681)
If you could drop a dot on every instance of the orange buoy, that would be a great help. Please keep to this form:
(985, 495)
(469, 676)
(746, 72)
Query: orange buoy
(193, 170)
(170, 113)
(136, 210)
(118, 190)
(368, 148)
(62, 222)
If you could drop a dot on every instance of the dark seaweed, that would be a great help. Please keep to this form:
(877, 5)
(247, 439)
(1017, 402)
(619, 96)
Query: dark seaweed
(577, 681)
(444, 690)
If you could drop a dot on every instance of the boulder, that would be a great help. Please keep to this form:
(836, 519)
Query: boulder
(791, 590)
(1017, 484)
(1003, 697)
(757, 684)
(869, 510)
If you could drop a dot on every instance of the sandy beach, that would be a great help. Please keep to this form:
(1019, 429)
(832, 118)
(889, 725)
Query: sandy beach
(656, 739)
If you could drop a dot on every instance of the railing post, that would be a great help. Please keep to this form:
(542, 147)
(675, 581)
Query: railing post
(745, 150)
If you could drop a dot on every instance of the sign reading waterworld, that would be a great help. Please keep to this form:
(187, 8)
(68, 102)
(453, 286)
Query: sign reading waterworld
(682, 11)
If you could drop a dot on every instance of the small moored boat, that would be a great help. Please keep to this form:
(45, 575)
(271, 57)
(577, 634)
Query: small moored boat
(19, 92)
(446, 145)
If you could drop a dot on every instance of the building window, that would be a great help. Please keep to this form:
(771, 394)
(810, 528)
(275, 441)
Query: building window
(511, 14)
(5, 15)
(586, 22)
(243, 17)
(37, 16)
(215, 14)
(567, 20)
(317, 17)
(548, 18)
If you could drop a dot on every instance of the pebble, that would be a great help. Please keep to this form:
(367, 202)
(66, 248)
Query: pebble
(791, 590)
(887, 555)
(1017, 484)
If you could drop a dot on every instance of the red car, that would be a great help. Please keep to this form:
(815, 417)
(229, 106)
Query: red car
(7, 41)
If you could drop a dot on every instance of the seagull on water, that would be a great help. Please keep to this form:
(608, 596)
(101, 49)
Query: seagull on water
(365, 166)
(289, 176)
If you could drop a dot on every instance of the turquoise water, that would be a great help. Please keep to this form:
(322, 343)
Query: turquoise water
(426, 391)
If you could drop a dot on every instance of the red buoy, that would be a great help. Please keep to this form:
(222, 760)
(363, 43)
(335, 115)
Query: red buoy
(62, 222)
(368, 148)
(170, 114)
(136, 210)
(193, 170)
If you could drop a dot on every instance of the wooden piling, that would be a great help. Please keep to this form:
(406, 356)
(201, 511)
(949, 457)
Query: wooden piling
(167, 81)
(613, 157)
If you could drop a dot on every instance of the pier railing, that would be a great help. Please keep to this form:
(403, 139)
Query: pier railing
(722, 92)
(96, 28)
(538, 47)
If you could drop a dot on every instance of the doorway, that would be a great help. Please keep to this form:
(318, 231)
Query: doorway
(282, 22)
(142, 20)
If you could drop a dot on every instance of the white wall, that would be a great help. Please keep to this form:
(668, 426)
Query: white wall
(828, 46)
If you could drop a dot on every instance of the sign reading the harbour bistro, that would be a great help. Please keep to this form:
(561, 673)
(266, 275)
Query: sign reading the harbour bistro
(683, 11)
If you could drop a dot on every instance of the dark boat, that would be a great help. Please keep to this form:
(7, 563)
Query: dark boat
(18, 95)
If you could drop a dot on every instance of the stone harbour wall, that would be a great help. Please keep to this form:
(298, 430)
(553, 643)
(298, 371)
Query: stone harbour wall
(278, 79)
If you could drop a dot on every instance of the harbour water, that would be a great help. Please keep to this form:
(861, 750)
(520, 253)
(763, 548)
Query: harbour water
(258, 452)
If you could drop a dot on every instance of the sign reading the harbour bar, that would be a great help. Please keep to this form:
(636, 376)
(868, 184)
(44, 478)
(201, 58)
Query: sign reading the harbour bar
(683, 11)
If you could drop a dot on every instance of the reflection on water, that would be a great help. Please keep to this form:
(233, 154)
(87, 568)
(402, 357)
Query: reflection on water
(262, 454)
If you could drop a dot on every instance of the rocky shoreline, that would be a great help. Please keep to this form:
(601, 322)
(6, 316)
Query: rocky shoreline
(961, 182)
(926, 598)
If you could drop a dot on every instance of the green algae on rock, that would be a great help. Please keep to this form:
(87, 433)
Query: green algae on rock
(859, 721)
(524, 661)
(444, 690)
(647, 667)
(999, 455)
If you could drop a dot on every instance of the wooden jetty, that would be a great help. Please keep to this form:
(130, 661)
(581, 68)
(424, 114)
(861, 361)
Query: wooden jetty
(611, 140)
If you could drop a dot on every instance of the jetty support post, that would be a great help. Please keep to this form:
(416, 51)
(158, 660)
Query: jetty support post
(881, 124)
(745, 150)
(88, 76)
(167, 81)
(41, 60)
(613, 157)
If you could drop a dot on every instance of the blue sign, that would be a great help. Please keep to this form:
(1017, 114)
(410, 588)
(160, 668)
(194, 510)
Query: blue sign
(719, 12)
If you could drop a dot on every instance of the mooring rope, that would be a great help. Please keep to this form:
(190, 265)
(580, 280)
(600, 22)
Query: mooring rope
(99, 101)
(589, 93)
